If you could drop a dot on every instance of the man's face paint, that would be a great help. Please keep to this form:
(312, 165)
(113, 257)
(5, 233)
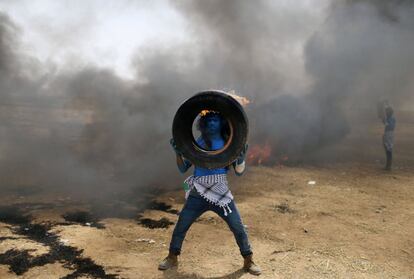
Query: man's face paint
(213, 125)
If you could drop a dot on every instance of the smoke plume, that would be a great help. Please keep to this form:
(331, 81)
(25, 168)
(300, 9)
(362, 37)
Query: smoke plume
(357, 57)
(89, 129)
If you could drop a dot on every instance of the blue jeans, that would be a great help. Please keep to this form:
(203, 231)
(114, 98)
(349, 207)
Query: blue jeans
(197, 205)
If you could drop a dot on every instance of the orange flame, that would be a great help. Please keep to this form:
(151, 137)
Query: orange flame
(242, 100)
(259, 154)
(204, 112)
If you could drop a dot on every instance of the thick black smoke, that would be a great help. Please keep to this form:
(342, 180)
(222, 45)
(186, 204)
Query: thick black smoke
(248, 46)
(116, 133)
(90, 129)
(359, 56)
(363, 53)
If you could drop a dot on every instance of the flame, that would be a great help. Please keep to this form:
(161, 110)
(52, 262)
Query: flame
(259, 154)
(242, 100)
(204, 112)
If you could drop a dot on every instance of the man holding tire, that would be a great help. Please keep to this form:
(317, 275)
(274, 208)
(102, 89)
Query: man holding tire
(207, 189)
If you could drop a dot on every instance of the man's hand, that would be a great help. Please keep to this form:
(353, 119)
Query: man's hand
(239, 164)
(174, 146)
(242, 155)
(182, 164)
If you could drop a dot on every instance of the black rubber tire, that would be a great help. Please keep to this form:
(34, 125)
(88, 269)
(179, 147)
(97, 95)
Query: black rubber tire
(230, 109)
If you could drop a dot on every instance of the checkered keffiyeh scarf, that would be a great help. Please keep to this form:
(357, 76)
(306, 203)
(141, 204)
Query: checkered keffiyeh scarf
(214, 188)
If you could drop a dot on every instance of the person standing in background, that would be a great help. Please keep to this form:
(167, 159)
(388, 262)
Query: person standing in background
(388, 137)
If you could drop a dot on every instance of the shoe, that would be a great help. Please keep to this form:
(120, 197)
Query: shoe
(169, 262)
(250, 266)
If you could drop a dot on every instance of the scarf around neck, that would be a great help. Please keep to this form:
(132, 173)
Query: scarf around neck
(213, 188)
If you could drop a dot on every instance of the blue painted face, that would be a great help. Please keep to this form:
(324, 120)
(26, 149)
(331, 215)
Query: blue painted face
(213, 125)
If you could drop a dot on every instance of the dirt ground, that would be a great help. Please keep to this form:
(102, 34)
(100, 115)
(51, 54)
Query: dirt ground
(355, 221)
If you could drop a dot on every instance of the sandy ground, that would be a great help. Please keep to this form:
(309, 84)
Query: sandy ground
(355, 222)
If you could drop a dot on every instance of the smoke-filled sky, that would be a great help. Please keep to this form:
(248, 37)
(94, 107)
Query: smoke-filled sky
(89, 89)
(110, 33)
(104, 33)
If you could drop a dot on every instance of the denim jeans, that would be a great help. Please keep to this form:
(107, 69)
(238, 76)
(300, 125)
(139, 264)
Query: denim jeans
(197, 205)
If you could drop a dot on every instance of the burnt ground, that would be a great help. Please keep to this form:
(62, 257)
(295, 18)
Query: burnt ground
(356, 221)
(20, 260)
(21, 225)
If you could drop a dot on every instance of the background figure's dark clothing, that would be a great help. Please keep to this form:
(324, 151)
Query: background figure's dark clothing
(389, 159)
(388, 139)
(390, 123)
(194, 207)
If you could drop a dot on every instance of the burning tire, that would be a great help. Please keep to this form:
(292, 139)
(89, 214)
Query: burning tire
(230, 109)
